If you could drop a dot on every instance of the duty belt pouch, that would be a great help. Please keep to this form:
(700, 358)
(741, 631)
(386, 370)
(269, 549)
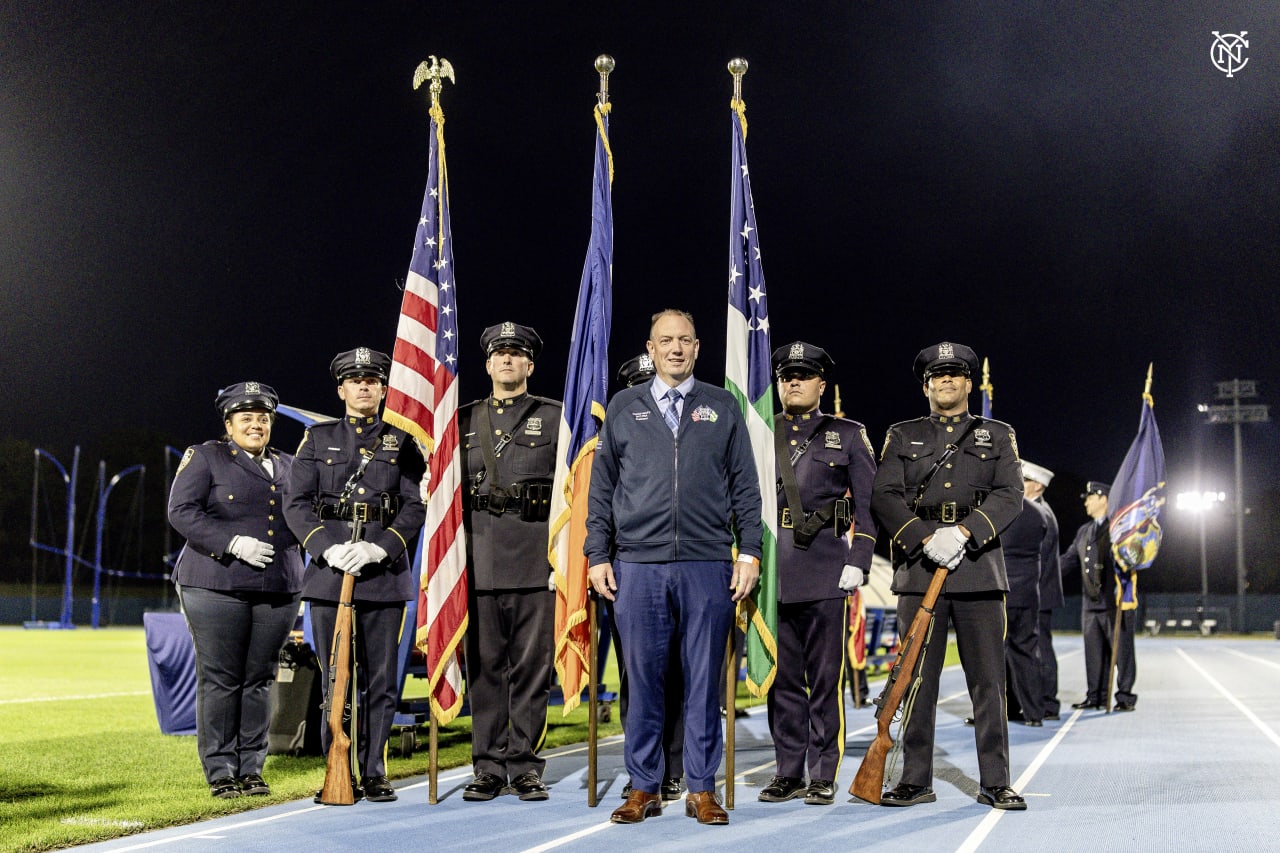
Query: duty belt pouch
(844, 517)
(535, 503)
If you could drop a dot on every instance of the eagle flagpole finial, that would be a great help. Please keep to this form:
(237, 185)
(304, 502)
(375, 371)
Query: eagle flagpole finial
(433, 69)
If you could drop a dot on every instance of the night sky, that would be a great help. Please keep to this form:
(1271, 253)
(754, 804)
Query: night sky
(195, 194)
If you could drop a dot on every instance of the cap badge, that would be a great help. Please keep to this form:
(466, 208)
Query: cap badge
(252, 388)
(508, 330)
(363, 355)
(946, 351)
(797, 351)
(646, 362)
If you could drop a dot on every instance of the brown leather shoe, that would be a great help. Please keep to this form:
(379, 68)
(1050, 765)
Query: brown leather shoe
(639, 805)
(704, 806)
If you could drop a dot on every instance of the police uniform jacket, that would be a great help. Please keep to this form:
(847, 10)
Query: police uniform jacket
(983, 480)
(1050, 570)
(1090, 555)
(1021, 543)
(218, 493)
(837, 461)
(504, 552)
(328, 456)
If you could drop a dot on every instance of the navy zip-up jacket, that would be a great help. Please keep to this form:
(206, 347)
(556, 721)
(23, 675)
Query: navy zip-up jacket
(658, 499)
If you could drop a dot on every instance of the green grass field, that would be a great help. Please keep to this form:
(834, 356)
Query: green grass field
(83, 758)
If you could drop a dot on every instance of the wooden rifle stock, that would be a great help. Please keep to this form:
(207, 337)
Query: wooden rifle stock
(869, 783)
(337, 790)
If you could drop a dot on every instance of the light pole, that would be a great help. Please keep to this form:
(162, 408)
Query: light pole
(1236, 414)
(1201, 503)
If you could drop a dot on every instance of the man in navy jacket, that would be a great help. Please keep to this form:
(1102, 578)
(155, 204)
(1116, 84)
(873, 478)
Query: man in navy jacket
(673, 477)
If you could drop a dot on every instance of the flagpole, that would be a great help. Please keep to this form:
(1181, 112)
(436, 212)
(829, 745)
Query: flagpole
(738, 69)
(604, 66)
(434, 70)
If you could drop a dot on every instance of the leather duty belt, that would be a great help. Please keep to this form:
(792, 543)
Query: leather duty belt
(365, 512)
(948, 512)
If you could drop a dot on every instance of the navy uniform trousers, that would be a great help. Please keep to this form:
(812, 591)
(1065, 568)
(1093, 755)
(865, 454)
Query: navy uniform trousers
(509, 678)
(1097, 626)
(377, 634)
(691, 601)
(806, 704)
(970, 615)
(237, 636)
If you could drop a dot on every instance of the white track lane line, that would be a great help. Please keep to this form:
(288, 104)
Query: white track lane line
(1254, 658)
(989, 822)
(1252, 717)
(74, 698)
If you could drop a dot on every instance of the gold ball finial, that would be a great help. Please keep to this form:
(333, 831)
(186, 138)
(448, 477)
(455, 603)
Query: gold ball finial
(738, 66)
(604, 63)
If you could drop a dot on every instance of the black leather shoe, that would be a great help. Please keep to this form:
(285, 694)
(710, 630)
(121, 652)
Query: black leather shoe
(968, 721)
(378, 790)
(822, 792)
(1087, 705)
(1002, 797)
(908, 795)
(225, 788)
(485, 786)
(253, 785)
(529, 786)
(782, 788)
(1033, 723)
(672, 789)
(1053, 715)
(626, 789)
(1126, 706)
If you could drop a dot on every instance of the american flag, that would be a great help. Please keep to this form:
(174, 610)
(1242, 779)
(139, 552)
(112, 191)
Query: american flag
(422, 399)
(586, 392)
(748, 377)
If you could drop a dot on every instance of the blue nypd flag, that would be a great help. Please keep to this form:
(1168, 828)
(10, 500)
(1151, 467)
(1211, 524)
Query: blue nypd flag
(1136, 501)
(748, 378)
(988, 390)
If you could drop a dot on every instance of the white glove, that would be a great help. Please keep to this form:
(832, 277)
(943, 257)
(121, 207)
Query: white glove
(369, 552)
(551, 581)
(342, 558)
(946, 546)
(851, 578)
(255, 552)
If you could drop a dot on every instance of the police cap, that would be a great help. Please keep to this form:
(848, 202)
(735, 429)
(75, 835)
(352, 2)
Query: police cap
(636, 370)
(244, 396)
(945, 356)
(1036, 473)
(511, 335)
(1095, 487)
(360, 361)
(801, 356)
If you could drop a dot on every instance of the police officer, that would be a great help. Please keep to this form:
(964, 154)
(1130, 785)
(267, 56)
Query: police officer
(825, 467)
(633, 372)
(1021, 543)
(947, 485)
(509, 452)
(1090, 554)
(360, 466)
(238, 578)
(1035, 480)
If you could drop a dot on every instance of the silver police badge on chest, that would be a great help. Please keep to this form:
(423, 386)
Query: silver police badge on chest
(833, 440)
(982, 437)
(533, 426)
(390, 441)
